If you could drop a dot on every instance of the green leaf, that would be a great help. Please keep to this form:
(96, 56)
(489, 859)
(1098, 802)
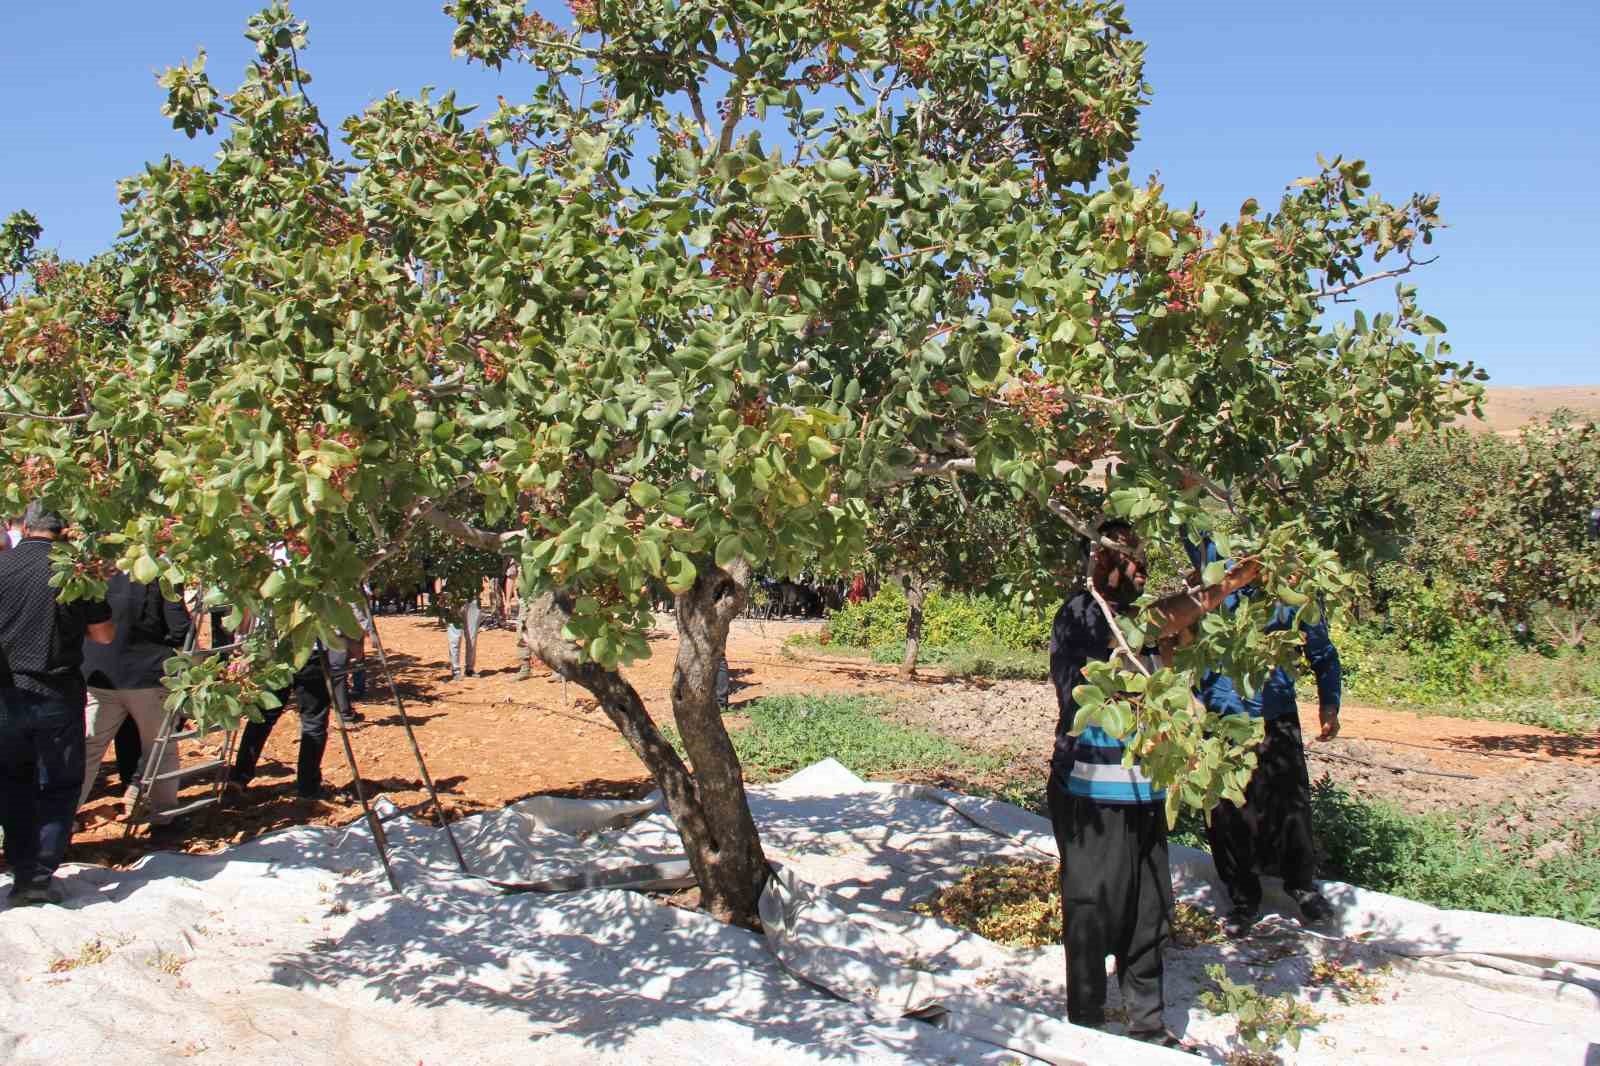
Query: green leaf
(729, 548)
(1213, 572)
(644, 494)
(145, 570)
(682, 577)
(273, 586)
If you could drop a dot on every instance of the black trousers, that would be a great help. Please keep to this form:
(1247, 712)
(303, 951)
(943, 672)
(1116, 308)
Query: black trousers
(129, 748)
(41, 771)
(310, 693)
(1273, 828)
(1116, 899)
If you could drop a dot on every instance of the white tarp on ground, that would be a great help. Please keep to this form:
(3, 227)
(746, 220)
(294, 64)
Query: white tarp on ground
(289, 949)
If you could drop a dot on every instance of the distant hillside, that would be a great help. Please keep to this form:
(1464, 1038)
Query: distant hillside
(1507, 408)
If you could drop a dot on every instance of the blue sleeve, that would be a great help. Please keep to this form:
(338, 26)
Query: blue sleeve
(1324, 660)
(1219, 696)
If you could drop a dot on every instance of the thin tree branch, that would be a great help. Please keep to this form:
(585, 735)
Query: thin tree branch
(1339, 290)
(47, 418)
(469, 534)
(1116, 630)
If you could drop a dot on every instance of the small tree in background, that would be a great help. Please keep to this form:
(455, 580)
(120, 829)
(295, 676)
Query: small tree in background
(725, 272)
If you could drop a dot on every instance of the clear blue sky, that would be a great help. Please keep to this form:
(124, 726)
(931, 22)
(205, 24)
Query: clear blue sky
(1492, 106)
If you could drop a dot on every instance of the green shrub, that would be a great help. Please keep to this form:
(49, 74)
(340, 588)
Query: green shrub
(1552, 872)
(1476, 673)
(949, 620)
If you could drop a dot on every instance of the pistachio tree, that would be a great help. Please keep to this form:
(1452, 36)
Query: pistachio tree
(677, 309)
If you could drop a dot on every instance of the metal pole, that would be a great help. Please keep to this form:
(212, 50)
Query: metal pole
(422, 766)
(373, 822)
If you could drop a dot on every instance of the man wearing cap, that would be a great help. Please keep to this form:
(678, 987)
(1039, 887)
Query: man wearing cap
(42, 698)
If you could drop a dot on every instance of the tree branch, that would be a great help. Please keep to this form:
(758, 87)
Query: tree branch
(47, 418)
(1340, 290)
(1116, 630)
(469, 534)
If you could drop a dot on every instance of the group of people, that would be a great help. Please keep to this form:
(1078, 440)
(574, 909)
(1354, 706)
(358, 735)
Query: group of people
(1109, 818)
(72, 675)
(76, 679)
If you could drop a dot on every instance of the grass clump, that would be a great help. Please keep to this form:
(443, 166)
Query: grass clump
(785, 733)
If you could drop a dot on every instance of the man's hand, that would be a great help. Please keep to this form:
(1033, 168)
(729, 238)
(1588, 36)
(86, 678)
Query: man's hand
(1243, 573)
(1330, 721)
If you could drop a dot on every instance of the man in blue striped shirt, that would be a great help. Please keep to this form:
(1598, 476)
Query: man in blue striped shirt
(1274, 824)
(1110, 823)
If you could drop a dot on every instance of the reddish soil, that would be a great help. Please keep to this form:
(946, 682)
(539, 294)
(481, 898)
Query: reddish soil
(1507, 408)
(491, 740)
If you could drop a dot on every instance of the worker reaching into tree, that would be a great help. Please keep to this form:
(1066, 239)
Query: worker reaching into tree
(1110, 823)
(1273, 827)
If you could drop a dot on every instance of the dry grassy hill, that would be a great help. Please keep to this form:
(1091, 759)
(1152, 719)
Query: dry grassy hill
(1507, 408)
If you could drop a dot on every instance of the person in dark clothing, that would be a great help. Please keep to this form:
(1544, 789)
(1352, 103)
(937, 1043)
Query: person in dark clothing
(312, 701)
(1109, 820)
(124, 679)
(42, 700)
(1274, 824)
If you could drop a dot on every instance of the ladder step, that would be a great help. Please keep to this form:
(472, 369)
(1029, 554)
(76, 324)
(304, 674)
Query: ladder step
(186, 773)
(190, 734)
(187, 808)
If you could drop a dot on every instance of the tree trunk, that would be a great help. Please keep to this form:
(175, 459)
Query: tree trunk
(736, 867)
(709, 807)
(914, 589)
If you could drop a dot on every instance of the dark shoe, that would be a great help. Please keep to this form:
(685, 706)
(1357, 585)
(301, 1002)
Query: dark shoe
(472, 673)
(35, 895)
(1160, 1038)
(1240, 920)
(1314, 906)
(351, 717)
(455, 675)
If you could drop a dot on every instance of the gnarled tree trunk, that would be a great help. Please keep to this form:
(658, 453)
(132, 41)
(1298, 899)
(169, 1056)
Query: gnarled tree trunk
(915, 589)
(709, 805)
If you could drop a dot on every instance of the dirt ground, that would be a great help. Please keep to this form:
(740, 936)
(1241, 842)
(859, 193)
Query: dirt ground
(1507, 408)
(490, 740)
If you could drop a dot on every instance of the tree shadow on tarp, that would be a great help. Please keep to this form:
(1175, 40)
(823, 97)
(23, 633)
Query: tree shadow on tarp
(597, 966)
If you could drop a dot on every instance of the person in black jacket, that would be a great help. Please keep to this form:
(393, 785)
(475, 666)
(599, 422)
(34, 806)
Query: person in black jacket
(124, 679)
(41, 707)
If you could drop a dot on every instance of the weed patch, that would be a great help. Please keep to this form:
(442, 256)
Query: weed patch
(1262, 1023)
(1453, 862)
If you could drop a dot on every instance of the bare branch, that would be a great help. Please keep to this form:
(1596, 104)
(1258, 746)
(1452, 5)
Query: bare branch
(47, 418)
(1339, 290)
(1116, 630)
(699, 113)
